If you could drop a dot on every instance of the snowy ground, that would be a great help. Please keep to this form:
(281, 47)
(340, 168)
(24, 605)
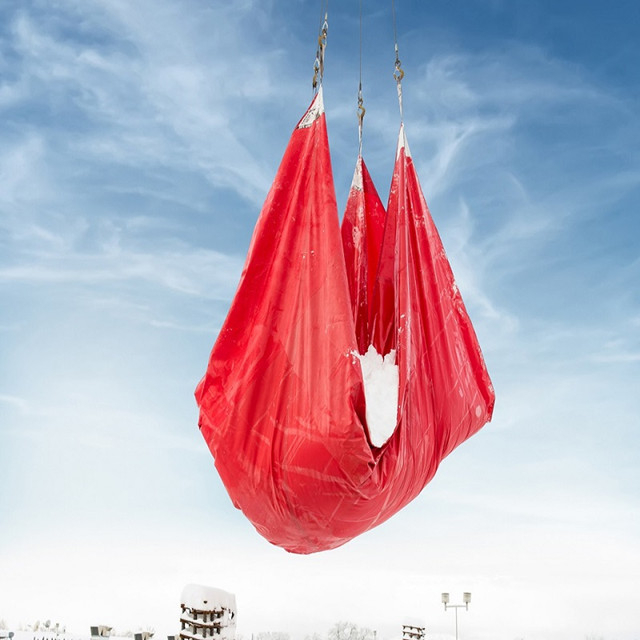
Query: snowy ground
(30, 635)
(39, 635)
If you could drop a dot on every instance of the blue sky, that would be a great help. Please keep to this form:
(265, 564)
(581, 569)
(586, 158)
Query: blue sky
(137, 143)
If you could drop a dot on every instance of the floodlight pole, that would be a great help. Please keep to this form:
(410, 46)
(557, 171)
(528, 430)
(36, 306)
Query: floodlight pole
(466, 599)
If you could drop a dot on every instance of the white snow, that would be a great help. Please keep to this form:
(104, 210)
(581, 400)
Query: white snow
(315, 111)
(380, 376)
(357, 182)
(197, 598)
(203, 598)
(402, 143)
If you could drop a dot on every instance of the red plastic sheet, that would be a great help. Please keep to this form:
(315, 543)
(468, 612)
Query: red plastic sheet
(282, 403)
(362, 233)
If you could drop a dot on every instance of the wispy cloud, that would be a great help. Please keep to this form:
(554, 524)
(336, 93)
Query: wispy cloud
(505, 135)
(15, 402)
(135, 87)
(146, 77)
(206, 274)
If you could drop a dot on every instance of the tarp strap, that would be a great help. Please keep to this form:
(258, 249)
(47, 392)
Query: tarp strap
(398, 72)
(318, 65)
(361, 112)
(361, 109)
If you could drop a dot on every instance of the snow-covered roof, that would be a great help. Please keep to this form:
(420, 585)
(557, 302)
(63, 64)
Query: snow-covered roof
(195, 596)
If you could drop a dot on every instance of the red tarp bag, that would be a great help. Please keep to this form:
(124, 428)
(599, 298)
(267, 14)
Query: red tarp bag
(282, 404)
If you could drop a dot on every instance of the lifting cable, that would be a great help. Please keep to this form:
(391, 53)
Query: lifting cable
(318, 65)
(398, 73)
(361, 110)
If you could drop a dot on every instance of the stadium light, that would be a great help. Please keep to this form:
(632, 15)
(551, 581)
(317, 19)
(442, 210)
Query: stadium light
(466, 599)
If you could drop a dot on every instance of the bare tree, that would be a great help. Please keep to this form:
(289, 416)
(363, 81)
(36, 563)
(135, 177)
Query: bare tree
(349, 631)
(272, 635)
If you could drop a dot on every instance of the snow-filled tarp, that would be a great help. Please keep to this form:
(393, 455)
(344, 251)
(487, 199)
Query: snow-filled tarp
(282, 403)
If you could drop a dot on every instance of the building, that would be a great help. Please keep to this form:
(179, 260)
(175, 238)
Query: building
(207, 612)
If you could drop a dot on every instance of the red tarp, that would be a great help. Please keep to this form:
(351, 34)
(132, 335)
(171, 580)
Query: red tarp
(362, 232)
(282, 403)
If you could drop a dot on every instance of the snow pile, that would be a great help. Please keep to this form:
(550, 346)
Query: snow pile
(380, 376)
(207, 613)
(195, 596)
